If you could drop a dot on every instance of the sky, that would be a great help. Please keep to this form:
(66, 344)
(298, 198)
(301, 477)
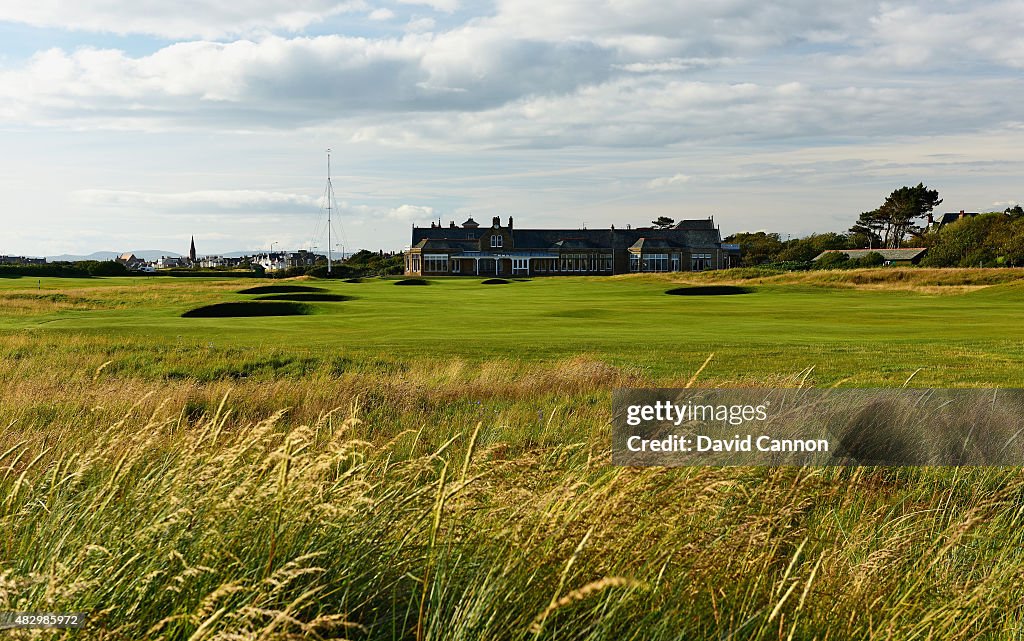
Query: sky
(128, 125)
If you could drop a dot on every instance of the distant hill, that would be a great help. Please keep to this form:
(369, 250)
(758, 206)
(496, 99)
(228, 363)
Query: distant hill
(144, 254)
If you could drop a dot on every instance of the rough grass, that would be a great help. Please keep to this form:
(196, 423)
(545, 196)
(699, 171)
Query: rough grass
(468, 502)
(924, 280)
(255, 479)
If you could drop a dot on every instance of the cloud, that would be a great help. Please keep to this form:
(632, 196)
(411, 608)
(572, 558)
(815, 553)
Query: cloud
(668, 65)
(541, 74)
(667, 181)
(420, 25)
(288, 82)
(446, 6)
(381, 14)
(221, 200)
(173, 20)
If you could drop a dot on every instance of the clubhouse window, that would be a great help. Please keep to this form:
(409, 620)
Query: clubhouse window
(436, 262)
(497, 241)
(700, 262)
(655, 262)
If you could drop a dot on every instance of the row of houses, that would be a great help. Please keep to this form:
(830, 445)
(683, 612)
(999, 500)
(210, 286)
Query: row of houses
(269, 261)
(505, 250)
(21, 260)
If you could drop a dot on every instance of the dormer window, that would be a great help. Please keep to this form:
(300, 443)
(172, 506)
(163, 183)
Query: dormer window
(497, 241)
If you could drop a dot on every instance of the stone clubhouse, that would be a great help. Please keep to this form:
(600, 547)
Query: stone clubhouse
(472, 250)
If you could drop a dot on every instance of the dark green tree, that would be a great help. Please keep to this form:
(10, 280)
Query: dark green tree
(757, 248)
(833, 260)
(870, 259)
(663, 222)
(807, 248)
(891, 223)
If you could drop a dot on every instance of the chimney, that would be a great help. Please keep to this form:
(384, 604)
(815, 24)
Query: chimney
(510, 222)
(931, 221)
(496, 222)
(452, 224)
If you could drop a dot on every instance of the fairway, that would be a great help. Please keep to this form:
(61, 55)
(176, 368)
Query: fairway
(851, 336)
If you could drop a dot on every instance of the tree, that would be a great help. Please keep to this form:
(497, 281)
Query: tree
(894, 220)
(833, 260)
(663, 222)
(1015, 212)
(807, 248)
(870, 259)
(967, 242)
(757, 248)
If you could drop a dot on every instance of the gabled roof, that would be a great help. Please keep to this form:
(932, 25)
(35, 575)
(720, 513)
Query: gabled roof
(645, 243)
(700, 223)
(445, 244)
(575, 243)
(905, 253)
(695, 234)
(952, 217)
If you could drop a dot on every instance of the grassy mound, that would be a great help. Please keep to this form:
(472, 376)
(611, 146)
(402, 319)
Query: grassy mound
(709, 290)
(309, 297)
(495, 281)
(247, 309)
(412, 281)
(281, 289)
(352, 280)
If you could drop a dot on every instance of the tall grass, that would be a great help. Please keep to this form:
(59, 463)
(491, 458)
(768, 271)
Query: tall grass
(375, 506)
(175, 488)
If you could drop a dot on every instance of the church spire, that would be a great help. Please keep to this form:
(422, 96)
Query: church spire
(192, 251)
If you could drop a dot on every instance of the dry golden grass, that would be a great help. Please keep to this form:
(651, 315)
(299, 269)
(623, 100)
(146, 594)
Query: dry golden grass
(164, 527)
(913, 279)
(448, 498)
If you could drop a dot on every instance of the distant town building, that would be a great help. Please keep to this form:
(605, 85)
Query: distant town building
(690, 245)
(167, 262)
(21, 260)
(131, 261)
(192, 251)
(276, 261)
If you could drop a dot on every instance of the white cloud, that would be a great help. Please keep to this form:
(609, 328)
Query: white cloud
(205, 200)
(667, 181)
(420, 25)
(175, 20)
(446, 6)
(411, 213)
(668, 65)
(381, 14)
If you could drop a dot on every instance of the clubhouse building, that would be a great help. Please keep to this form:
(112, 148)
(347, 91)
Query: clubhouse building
(472, 250)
